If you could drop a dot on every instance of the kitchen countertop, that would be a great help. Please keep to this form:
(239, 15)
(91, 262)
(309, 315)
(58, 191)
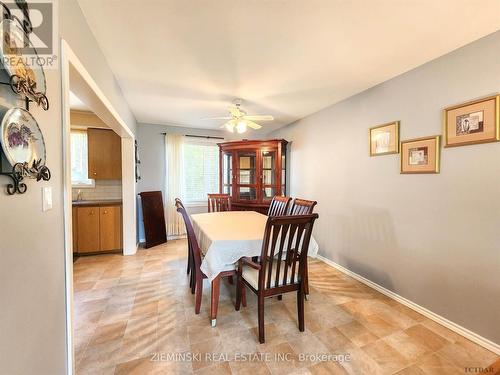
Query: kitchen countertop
(98, 202)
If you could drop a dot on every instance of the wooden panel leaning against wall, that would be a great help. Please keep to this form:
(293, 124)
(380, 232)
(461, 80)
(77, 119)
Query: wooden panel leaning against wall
(104, 154)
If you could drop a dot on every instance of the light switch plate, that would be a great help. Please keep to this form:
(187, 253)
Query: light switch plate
(46, 198)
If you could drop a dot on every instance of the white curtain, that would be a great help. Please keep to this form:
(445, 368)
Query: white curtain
(174, 180)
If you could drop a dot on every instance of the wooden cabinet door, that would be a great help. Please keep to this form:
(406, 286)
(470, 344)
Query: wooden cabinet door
(270, 175)
(227, 174)
(247, 175)
(88, 229)
(75, 229)
(104, 154)
(110, 228)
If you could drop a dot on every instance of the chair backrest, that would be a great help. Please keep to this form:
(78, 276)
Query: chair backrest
(192, 241)
(177, 200)
(284, 249)
(279, 206)
(219, 202)
(302, 207)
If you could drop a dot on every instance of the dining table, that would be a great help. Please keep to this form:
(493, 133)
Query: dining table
(224, 238)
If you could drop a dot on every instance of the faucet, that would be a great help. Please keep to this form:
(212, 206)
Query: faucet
(79, 197)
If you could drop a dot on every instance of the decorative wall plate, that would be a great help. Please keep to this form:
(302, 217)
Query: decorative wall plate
(12, 39)
(21, 138)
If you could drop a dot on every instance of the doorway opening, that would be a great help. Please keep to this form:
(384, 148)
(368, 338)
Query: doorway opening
(92, 126)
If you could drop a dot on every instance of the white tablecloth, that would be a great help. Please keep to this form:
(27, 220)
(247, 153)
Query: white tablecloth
(225, 237)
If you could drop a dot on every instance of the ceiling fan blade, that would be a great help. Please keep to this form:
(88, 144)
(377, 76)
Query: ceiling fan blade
(253, 125)
(259, 117)
(217, 118)
(235, 111)
(229, 125)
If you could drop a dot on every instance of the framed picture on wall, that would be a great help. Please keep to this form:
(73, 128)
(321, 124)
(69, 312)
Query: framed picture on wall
(472, 122)
(384, 139)
(420, 155)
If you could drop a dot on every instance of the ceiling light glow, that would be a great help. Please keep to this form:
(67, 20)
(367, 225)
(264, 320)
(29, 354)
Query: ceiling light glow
(230, 127)
(241, 127)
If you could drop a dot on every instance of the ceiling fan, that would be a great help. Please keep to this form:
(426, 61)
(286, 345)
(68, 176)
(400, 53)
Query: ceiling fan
(239, 119)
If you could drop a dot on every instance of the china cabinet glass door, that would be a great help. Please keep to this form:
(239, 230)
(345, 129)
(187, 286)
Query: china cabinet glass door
(227, 173)
(246, 184)
(283, 175)
(269, 176)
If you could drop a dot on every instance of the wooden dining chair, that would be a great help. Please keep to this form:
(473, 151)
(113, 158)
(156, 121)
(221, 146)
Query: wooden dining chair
(177, 200)
(302, 207)
(196, 270)
(281, 267)
(279, 206)
(219, 202)
(190, 261)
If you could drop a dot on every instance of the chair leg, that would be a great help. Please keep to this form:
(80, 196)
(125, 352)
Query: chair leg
(190, 260)
(239, 292)
(243, 295)
(215, 300)
(199, 293)
(300, 307)
(193, 282)
(306, 281)
(262, 338)
(280, 297)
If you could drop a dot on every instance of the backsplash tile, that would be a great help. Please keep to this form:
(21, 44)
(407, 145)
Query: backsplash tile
(104, 189)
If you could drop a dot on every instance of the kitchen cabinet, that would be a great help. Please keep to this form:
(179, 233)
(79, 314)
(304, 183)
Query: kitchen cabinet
(88, 229)
(253, 172)
(110, 228)
(75, 229)
(104, 154)
(97, 228)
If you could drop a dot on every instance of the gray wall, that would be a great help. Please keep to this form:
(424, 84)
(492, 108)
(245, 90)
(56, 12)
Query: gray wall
(151, 143)
(434, 239)
(32, 295)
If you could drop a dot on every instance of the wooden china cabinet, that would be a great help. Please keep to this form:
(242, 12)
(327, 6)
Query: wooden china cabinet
(253, 172)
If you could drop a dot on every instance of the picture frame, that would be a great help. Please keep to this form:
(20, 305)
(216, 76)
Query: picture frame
(384, 139)
(420, 155)
(473, 122)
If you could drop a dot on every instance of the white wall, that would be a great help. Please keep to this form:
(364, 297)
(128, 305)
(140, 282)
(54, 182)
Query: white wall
(434, 239)
(75, 30)
(151, 144)
(32, 294)
(32, 309)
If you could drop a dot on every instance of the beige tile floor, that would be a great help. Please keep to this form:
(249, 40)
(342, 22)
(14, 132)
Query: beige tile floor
(132, 313)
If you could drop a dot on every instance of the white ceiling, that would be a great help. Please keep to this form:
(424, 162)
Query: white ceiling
(179, 61)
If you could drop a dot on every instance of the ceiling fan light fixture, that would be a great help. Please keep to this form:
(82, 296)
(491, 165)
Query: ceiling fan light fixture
(239, 119)
(241, 127)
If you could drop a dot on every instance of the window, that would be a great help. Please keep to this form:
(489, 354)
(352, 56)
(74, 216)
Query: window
(201, 170)
(79, 159)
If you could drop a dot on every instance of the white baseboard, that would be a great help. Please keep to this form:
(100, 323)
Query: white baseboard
(490, 345)
(176, 237)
